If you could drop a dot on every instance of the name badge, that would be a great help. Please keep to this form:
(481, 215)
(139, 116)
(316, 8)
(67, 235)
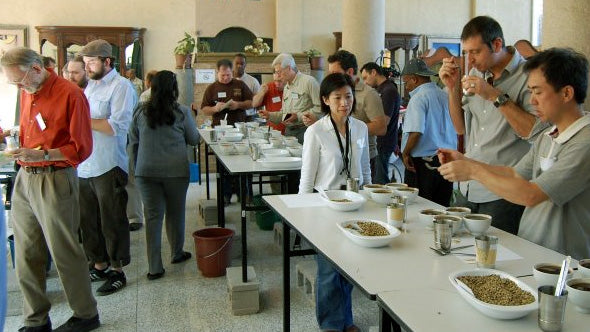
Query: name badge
(40, 121)
(276, 99)
(221, 94)
(294, 96)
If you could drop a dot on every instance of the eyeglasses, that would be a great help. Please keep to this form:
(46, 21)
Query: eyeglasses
(21, 82)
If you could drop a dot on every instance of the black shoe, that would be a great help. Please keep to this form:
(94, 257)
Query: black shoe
(98, 275)
(42, 328)
(116, 280)
(156, 275)
(184, 257)
(75, 324)
(135, 226)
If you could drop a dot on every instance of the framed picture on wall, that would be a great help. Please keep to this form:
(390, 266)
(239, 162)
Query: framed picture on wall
(12, 36)
(453, 44)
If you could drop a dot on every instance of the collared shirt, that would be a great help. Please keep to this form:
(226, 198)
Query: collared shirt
(273, 102)
(146, 95)
(428, 113)
(488, 136)
(322, 158)
(253, 85)
(303, 94)
(217, 92)
(112, 98)
(61, 107)
(559, 166)
(391, 103)
(368, 107)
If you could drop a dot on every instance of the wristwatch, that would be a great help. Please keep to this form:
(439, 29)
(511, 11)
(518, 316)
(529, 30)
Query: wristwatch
(501, 100)
(46, 155)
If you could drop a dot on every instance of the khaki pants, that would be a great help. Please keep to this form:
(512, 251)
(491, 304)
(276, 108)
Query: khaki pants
(46, 214)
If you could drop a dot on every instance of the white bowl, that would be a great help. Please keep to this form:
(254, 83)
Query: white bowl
(295, 152)
(545, 278)
(372, 187)
(275, 133)
(356, 200)
(456, 221)
(275, 153)
(409, 193)
(426, 217)
(252, 124)
(492, 310)
(257, 141)
(382, 196)
(241, 148)
(368, 241)
(292, 143)
(232, 137)
(477, 223)
(226, 148)
(240, 125)
(280, 162)
(223, 127)
(579, 297)
(583, 271)
(257, 135)
(276, 142)
(458, 210)
(395, 185)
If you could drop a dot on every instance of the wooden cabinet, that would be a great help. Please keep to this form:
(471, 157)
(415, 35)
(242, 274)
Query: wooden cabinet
(65, 36)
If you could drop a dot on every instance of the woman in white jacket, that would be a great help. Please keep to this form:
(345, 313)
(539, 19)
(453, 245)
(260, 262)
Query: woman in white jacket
(335, 148)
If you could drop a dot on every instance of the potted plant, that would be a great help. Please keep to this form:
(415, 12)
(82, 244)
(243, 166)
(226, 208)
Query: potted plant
(316, 60)
(184, 50)
(258, 47)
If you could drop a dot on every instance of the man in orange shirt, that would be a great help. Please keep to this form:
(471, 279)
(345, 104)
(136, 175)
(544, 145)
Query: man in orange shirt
(271, 97)
(55, 137)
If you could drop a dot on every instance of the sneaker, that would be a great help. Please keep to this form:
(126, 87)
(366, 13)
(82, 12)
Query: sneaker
(116, 280)
(98, 275)
(75, 324)
(184, 257)
(42, 328)
(135, 226)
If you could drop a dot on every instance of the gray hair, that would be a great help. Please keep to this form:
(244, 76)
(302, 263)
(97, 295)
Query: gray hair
(23, 57)
(285, 60)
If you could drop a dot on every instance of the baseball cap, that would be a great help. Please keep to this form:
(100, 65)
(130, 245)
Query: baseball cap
(97, 47)
(417, 67)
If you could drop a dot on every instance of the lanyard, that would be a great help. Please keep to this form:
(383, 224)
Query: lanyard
(343, 152)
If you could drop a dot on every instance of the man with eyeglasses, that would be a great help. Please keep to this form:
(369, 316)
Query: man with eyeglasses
(301, 96)
(55, 137)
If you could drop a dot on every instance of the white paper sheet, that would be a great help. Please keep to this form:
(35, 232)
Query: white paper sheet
(303, 200)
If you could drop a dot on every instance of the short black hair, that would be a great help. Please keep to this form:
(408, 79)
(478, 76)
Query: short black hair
(562, 67)
(484, 26)
(241, 55)
(370, 66)
(333, 82)
(346, 59)
(224, 63)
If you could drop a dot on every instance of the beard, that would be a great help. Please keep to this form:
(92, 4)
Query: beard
(97, 75)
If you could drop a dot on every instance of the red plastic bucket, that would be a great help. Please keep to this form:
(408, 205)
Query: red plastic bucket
(213, 248)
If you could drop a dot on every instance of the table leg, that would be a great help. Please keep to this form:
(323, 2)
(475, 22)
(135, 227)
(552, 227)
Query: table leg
(207, 169)
(197, 151)
(243, 190)
(220, 203)
(286, 277)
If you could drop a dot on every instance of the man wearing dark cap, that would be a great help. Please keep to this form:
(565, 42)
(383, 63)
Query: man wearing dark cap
(427, 127)
(55, 137)
(103, 176)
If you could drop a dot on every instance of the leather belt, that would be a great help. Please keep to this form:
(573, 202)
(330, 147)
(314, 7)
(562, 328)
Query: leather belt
(43, 169)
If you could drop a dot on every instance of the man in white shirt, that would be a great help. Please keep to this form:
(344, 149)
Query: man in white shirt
(239, 72)
(103, 176)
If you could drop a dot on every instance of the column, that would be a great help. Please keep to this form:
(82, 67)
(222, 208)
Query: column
(363, 28)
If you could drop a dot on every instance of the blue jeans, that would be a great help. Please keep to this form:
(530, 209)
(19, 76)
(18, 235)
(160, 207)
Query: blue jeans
(333, 297)
(382, 168)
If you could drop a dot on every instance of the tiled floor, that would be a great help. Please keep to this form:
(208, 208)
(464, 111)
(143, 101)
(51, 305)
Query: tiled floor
(183, 300)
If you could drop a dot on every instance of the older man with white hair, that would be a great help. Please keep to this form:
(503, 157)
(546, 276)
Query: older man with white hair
(301, 95)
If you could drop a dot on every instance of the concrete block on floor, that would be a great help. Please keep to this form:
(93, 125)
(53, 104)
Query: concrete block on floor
(306, 277)
(207, 212)
(278, 235)
(244, 297)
